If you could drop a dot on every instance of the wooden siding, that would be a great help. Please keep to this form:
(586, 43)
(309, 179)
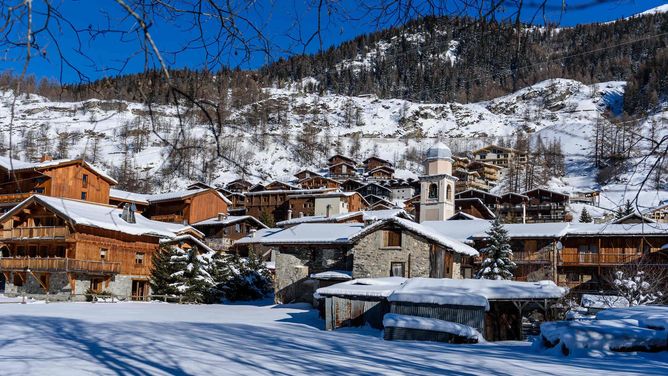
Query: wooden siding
(121, 248)
(67, 181)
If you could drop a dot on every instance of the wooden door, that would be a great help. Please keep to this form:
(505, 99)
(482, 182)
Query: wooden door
(139, 290)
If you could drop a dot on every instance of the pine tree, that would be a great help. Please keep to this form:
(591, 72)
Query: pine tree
(164, 273)
(624, 211)
(249, 279)
(585, 217)
(197, 280)
(498, 262)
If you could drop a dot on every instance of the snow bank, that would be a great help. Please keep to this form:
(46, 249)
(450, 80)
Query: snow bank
(641, 328)
(475, 292)
(603, 301)
(424, 323)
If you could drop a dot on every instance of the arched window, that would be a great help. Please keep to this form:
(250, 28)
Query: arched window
(448, 192)
(433, 190)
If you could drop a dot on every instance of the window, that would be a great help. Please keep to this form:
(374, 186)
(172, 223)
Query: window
(237, 228)
(83, 195)
(84, 180)
(139, 258)
(448, 192)
(39, 190)
(433, 190)
(392, 238)
(103, 253)
(397, 269)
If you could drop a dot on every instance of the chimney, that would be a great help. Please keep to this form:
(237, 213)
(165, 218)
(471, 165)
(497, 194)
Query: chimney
(222, 216)
(128, 214)
(289, 214)
(46, 158)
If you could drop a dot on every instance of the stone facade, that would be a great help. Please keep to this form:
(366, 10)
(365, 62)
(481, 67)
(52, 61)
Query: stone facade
(59, 285)
(372, 260)
(295, 265)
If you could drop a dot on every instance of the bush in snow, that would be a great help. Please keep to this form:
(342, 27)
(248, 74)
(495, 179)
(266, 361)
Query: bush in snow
(585, 217)
(497, 263)
(637, 288)
(248, 279)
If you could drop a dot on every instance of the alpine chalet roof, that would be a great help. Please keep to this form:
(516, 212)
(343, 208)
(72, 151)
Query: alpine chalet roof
(181, 195)
(121, 195)
(100, 216)
(11, 164)
(229, 220)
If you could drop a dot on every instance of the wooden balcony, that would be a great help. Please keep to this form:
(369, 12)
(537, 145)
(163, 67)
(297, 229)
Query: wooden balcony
(532, 257)
(35, 233)
(58, 265)
(172, 218)
(598, 258)
(13, 197)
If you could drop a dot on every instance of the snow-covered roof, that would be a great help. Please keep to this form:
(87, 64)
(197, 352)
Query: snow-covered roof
(426, 323)
(368, 287)
(633, 215)
(472, 292)
(312, 233)
(180, 195)
(423, 231)
(11, 164)
(467, 231)
(101, 216)
(324, 194)
(290, 191)
(229, 220)
(128, 196)
(342, 275)
(439, 151)
(465, 215)
(368, 215)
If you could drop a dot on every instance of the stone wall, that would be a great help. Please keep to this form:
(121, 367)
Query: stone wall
(294, 266)
(60, 286)
(372, 260)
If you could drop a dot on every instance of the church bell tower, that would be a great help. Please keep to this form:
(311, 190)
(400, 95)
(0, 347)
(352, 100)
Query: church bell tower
(437, 185)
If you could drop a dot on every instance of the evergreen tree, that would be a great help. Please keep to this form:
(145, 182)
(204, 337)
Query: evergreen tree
(197, 280)
(220, 272)
(498, 262)
(165, 275)
(624, 211)
(249, 279)
(585, 217)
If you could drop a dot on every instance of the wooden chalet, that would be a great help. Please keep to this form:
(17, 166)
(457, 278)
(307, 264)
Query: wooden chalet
(381, 173)
(342, 170)
(316, 182)
(474, 207)
(69, 178)
(575, 255)
(222, 231)
(376, 162)
(64, 247)
(327, 203)
(499, 155)
(634, 217)
(279, 185)
(338, 158)
(238, 202)
(490, 200)
(658, 214)
(350, 185)
(376, 190)
(306, 174)
(379, 203)
(188, 206)
(239, 185)
(272, 206)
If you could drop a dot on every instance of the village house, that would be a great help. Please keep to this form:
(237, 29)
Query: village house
(63, 247)
(580, 256)
(239, 185)
(350, 185)
(305, 174)
(375, 189)
(499, 155)
(316, 182)
(389, 247)
(189, 206)
(238, 202)
(401, 190)
(69, 178)
(473, 207)
(342, 170)
(338, 158)
(534, 206)
(223, 230)
(379, 203)
(380, 173)
(658, 214)
(273, 205)
(327, 204)
(351, 217)
(376, 162)
(475, 174)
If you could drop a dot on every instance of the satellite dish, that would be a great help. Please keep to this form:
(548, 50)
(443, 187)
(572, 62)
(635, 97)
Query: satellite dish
(559, 246)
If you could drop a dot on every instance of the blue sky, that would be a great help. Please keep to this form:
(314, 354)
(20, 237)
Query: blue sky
(282, 22)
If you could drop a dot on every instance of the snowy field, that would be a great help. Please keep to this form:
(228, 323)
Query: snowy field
(168, 339)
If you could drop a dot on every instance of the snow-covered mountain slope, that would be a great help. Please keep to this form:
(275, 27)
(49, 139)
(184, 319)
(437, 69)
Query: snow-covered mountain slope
(119, 133)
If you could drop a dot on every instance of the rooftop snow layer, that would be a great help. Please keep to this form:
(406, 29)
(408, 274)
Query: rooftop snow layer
(474, 292)
(105, 217)
(129, 196)
(435, 325)
(228, 220)
(333, 275)
(369, 287)
(179, 195)
(11, 164)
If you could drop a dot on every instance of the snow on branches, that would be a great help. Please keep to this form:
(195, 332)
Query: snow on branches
(497, 263)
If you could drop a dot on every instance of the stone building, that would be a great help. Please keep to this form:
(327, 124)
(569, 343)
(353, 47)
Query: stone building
(391, 247)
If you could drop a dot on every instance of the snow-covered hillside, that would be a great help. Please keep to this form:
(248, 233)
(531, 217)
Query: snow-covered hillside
(391, 128)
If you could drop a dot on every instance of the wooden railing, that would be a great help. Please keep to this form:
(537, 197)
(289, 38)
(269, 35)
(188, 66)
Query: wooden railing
(531, 257)
(14, 197)
(598, 258)
(59, 265)
(173, 218)
(36, 232)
